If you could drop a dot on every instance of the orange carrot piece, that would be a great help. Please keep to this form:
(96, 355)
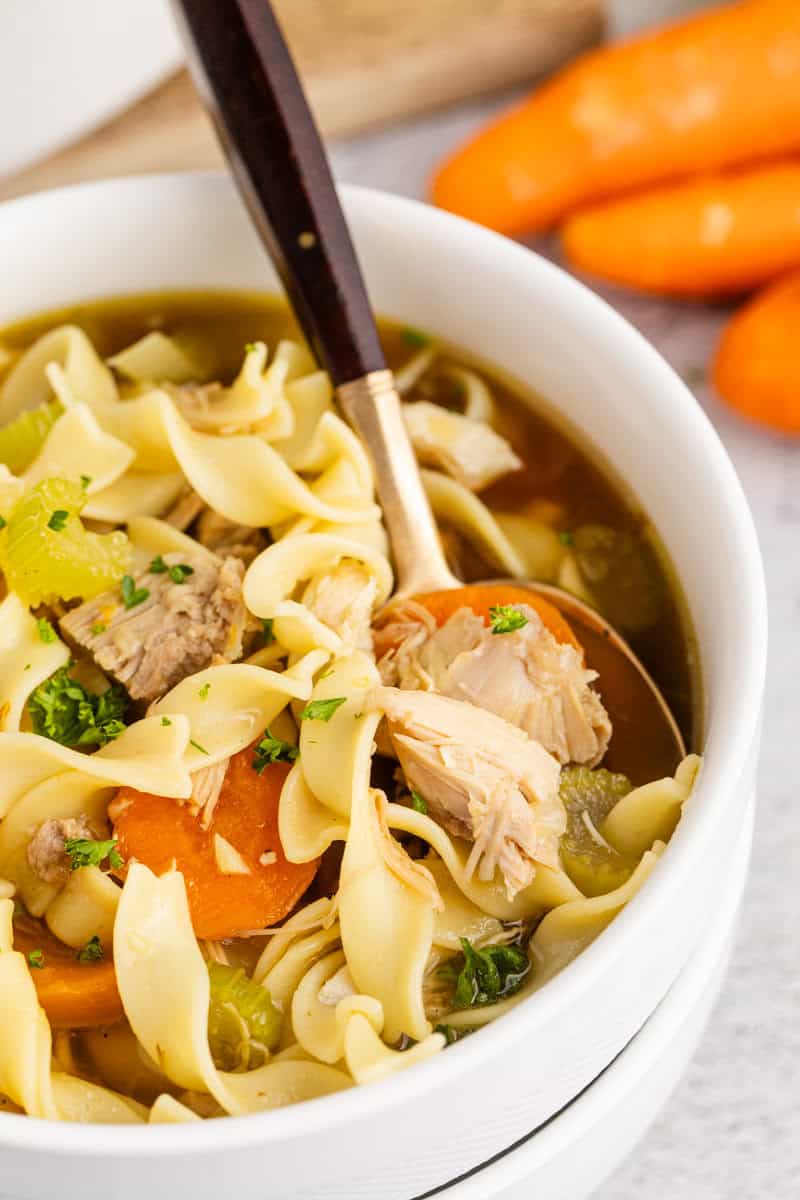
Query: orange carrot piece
(716, 90)
(711, 236)
(74, 995)
(480, 597)
(162, 833)
(757, 367)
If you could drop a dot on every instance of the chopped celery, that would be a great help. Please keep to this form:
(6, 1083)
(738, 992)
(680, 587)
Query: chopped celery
(22, 439)
(45, 550)
(588, 797)
(243, 1023)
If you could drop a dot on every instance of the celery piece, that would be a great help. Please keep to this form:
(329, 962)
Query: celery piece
(243, 1023)
(22, 439)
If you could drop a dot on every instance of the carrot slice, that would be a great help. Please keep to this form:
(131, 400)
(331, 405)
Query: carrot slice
(480, 597)
(74, 995)
(716, 90)
(757, 369)
(162, 833)
(706, 237)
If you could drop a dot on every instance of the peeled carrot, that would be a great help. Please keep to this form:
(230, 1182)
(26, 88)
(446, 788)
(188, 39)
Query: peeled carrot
(757, 367)
(163, 834)
(480, 597)
(74, 995)
(713, 91)
(709, 236)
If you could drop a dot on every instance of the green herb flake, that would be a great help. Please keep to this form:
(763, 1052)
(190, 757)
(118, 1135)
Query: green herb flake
(269, 636)
(324, 674)
(180, 572)
(321, 710)
(505, 618)
(61, 709)
(417, 803)
(271, 750)
(250, 347)
(89, 852)
(36, 959)
(97, 629)
(565, 537)
(46, 632)
(91, 952)
(166, 721)
(158, 566)
(3, 522)
(58, 520)
(197, 746)
(85, 481)
(449, 1034)
(132, 595)
(415, 338)
(204, 690)
(490, 974)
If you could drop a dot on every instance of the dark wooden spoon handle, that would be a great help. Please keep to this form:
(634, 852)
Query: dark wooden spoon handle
(245, 73)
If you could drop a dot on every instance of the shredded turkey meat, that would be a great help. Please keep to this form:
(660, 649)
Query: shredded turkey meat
(481, 778)
(526, 677)
(46, 853)
(468, 450)
(343, 599)
(227, 539)
(174, 631)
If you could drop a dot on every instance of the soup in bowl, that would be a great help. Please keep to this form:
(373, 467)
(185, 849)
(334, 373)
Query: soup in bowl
(266, 836)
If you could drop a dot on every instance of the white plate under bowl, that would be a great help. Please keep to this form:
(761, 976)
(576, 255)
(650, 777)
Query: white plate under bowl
(425, 1126)
(66, 66)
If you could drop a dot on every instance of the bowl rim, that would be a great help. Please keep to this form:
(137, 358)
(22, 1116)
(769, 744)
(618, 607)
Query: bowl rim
(665, 389)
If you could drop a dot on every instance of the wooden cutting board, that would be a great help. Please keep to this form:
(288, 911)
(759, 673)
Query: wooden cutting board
(364, 62)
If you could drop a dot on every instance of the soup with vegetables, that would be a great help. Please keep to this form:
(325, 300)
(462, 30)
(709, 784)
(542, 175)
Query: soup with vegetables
(264, 835)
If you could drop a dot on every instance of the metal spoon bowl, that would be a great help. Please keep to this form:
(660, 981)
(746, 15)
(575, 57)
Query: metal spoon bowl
(245, 74)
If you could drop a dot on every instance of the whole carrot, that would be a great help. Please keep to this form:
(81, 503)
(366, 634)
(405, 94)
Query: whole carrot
(757, 367)
(714, 91)
(709, 236)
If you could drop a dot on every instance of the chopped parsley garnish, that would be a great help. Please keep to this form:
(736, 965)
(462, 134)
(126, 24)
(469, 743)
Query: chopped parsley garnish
(204, 690)
(3, 522)
(197, 746)
(36, 959)
(58, 520)
(85, 480)
(166, 721)
(415, 338)
(324, 674)
(450, 1035)
(158, 566)
(88, 852)
(250, 347)
(417, 803)
(91, 952)
(180, 572)
(132, 595)
(97, 629)
(271, 750)
(489, 974)
(63, 710)
(505, 618)
(321, 710)
(565, 537)
(46, 632)
(269, 636)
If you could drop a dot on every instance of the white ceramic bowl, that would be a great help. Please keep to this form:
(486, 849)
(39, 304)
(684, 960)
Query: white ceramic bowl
(421, 1129)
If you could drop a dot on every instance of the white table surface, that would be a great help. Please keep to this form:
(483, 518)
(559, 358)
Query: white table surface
(732, 1130)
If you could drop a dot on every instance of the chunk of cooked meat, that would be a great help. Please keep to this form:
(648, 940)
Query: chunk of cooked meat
(185, 510)
(527, 677)
(176, 630)
(227, 539)
(194, 400)
(468, 450)
(481, 778)
(343, 599)
(206, 787)
(46, 855)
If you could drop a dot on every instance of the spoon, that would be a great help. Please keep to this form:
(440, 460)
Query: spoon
(244, 72)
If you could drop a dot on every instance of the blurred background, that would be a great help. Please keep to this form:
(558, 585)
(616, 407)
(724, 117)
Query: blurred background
(91, 89)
